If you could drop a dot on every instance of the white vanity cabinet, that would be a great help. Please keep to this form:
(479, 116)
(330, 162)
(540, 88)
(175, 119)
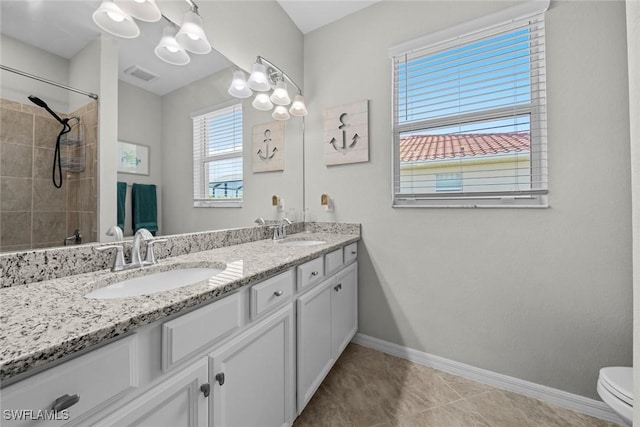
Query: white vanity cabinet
(327, 320)
(252, 376)
(253, 358)
(179, 401)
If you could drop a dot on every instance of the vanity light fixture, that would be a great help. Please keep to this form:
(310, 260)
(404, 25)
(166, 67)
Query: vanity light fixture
(264, 77)
(110, 18)
(169, 50)
(144, 10)
(191, 36)
(116, 18)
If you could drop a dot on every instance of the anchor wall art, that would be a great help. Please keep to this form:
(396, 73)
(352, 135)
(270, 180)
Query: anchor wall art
(268, 147)
(346, 133)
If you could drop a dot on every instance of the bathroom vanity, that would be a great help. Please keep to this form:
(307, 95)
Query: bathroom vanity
(249, 347)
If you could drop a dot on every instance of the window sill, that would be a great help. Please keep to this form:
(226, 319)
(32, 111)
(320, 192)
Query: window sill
(527, 202)
(217, 204)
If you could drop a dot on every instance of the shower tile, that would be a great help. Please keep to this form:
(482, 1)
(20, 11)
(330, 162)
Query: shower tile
(10, 105)
(16, 160)
(42, 163)
(86, 195)
(49, 227)
(46, 132)
(73, 222)
(47, 198)
(15, 228)
(73, 186)
(16, 127)
(16, 194)
(14, 248)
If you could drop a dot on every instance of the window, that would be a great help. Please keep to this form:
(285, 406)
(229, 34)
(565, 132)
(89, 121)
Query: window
(470, 114)
(217, 157)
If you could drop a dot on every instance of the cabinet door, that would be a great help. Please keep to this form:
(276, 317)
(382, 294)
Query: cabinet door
(315, 355)
(252, 376)
(175, 402)
(345, 308)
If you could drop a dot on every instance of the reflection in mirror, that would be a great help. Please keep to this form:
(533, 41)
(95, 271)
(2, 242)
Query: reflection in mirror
(58, 41)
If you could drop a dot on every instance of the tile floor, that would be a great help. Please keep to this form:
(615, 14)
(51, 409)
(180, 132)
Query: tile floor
(370, 388)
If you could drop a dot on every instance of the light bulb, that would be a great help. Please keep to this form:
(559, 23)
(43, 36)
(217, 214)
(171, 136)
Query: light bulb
(116, 17)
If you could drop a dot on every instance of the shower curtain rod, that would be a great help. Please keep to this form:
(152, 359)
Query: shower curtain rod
(22, 73)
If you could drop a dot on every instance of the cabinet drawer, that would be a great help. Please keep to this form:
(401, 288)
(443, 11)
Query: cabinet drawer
(310, 272)
(185, 335)
(97, 378)
(350, 252)
(332, 261)
(271, 293)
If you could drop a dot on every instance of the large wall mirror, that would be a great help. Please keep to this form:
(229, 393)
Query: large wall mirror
(152, 112)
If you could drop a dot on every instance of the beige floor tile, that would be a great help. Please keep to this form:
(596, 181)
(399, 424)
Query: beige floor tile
(458, 414)
(373, 389)
(464, 387)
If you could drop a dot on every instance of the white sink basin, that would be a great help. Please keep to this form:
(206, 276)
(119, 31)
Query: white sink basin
(302, 242)
(154, 282)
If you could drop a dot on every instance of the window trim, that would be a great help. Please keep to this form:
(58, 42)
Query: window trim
(213, 203)
(533, 198)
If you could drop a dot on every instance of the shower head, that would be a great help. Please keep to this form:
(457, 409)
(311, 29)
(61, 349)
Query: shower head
(40, 103)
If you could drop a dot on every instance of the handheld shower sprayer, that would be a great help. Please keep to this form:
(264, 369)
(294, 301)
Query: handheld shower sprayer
(65, 129)
(40, 103)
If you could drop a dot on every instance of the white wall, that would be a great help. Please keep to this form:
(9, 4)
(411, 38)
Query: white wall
(32, 60)
(539, 294)
(140, 122)
(633, 50)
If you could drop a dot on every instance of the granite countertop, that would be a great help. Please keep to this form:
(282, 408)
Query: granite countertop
(45, 321)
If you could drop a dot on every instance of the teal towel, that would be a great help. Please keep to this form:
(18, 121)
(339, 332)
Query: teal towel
(144, 207)
(122, 195)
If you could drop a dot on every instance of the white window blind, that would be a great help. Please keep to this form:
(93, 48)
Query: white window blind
(217, 157)
(472, 107)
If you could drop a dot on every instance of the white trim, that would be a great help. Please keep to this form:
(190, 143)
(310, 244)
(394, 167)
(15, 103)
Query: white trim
(451, 33)
(574, 402)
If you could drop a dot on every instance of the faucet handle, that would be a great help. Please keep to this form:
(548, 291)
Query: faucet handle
(118, 259)
(150, 257)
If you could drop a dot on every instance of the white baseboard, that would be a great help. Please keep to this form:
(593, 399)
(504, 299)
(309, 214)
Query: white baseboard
(554, 396)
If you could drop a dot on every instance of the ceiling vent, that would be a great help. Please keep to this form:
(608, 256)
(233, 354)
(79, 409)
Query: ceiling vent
(141, 73)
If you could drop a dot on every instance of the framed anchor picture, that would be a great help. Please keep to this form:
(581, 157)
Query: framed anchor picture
(268, 147)
(346, 133)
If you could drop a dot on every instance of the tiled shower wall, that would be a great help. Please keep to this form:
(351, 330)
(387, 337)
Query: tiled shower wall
(33, 213)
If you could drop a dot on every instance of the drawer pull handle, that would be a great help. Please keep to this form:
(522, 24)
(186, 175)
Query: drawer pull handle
(353, 252)
(338, 287)
(205, 389)
(220, 378)
(278, 293)
(314, 273)
(64, 402)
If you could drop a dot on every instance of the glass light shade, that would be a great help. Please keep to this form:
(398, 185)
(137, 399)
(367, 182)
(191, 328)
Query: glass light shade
(191, 36)
(280, 113)
(239, 87)
(262, 102)
(298, 108)
(280, 96)
(169, 50)
(144, 10)
(258, 80)
(110, 18)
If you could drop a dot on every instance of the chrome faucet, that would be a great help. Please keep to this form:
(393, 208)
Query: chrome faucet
(141, 235)
(280, 230)
(260, 221)
(76, 238)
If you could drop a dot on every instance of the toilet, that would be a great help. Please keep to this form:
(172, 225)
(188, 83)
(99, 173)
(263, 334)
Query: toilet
(615, 387)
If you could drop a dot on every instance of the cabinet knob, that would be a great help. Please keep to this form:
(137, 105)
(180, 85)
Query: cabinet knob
(220, 378)
(278, 293)
(205, 389)
(314, 273)
(337, 287)
(353, 252)
(64, 402)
